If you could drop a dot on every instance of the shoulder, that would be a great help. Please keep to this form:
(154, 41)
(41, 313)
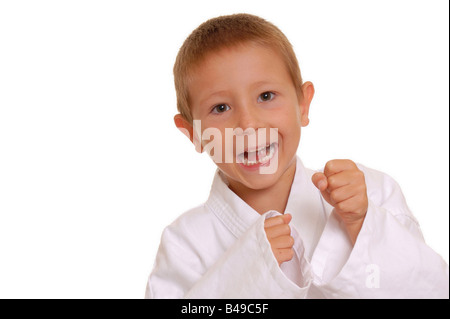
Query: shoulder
(190, 222)
(180, 258)
(196, 238)
(197, 228)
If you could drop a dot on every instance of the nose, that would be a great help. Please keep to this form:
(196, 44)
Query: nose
(248, 117)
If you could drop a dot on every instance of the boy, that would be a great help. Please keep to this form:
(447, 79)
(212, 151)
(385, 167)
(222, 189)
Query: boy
(272, 228)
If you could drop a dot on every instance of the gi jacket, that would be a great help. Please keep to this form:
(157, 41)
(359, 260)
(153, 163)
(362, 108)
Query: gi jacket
(220, 250)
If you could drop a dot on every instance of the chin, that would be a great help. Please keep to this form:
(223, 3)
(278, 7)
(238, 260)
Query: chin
(252, 178)
(260, 182)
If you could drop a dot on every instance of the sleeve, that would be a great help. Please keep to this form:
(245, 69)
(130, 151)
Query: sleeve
(390, 258)
(247, 269)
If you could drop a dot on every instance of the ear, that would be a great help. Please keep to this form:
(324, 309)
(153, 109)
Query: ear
(184, 126)
(305, 102)
(187, 129)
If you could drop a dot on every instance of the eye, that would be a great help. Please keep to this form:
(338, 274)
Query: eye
(266, 96)
(220, 108)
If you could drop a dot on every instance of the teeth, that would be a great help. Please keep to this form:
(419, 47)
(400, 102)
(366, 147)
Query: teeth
(256, 156)
(262, 148)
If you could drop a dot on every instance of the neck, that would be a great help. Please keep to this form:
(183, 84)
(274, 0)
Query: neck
(274, 197)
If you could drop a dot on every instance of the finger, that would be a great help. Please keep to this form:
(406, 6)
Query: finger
(339, 180)
(343, 193)
(277, 220)
(320, 181)
(283, 255)
(335, 166)
(287, 218)
(286, 241)
(353, 207)
(273, 221)
(277, 231)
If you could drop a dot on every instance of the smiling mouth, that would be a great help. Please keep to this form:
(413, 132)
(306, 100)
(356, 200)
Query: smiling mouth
(259, 156)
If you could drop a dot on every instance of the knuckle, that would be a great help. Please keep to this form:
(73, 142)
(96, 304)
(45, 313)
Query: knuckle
(342, 206)
(359, 174)
(290, 241)
(334, 196)
(349, 162)
(330, 165)
(331, 181)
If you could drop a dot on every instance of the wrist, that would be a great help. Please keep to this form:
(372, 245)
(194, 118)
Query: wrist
(353, 229)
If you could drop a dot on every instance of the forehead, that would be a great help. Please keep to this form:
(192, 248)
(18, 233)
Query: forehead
(238, 66)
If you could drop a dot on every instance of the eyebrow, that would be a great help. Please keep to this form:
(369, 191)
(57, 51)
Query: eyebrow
(261, 83)
(222, 92)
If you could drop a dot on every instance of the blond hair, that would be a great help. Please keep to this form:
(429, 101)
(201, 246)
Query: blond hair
(224, 32)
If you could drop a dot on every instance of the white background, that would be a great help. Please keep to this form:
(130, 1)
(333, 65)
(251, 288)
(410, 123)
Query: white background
(92, 168)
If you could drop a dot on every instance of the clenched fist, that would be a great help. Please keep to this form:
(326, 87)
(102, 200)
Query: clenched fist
(343, 186)
(278, 233)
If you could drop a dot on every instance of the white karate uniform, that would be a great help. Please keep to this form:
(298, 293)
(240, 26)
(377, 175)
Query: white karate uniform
(220, 250)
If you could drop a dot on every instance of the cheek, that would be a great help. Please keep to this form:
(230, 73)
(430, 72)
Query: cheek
(290, 132)
(213, 142)
(290, 122)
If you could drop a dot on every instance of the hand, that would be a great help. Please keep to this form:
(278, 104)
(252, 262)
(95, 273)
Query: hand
(278, 233)
(343, 186)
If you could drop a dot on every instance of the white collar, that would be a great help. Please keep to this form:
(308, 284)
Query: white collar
(304, 204)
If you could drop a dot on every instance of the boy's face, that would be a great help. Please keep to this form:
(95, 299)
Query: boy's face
(248, 89)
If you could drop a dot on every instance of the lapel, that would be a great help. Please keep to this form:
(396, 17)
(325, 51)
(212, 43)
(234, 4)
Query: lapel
(236, 214)
(304, 204)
